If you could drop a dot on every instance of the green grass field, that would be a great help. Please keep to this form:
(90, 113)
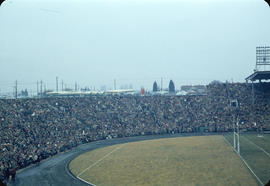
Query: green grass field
(255, 149)
(204, 160)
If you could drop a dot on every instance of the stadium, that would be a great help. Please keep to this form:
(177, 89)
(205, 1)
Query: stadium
(44, 136)
(218, 134)
(165, 112)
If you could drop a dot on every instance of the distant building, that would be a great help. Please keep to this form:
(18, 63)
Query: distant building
(194, 89)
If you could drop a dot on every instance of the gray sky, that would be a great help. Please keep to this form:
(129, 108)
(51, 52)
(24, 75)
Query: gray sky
(133, 41)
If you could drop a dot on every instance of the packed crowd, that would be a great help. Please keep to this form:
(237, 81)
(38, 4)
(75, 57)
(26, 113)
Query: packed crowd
(35, 129)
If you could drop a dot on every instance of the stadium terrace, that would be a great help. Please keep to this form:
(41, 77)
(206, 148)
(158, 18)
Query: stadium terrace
(35, 129)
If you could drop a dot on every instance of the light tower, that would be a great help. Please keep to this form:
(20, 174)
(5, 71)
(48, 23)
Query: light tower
(262, 58)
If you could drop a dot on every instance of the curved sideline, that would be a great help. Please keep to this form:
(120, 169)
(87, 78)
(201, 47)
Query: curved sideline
(85, 181)
(150, 137)
(55, 170)
(101, 159)
(76, 177)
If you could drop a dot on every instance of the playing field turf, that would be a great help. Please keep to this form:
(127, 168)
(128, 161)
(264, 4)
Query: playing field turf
(203, 160)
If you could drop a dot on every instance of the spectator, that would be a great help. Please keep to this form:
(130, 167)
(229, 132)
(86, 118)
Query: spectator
(35, 129)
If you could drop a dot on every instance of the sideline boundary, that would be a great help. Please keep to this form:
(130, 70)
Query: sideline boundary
(257, 146)
(101, 159)
(75, 177)
(85, 181)
(258, 179)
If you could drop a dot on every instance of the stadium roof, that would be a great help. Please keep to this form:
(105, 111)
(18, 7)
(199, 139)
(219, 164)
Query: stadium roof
(259, 75)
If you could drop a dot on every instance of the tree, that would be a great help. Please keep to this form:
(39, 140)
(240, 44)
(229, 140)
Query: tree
(171, 87)
(155, 87)
(24, 93)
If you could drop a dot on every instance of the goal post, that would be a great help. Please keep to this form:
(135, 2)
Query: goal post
(236, 132)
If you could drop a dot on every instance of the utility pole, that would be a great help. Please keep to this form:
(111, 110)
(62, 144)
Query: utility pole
(161, 84)
(56, 84)
(76, 87)
(44, 87)
(37, 88)
(114, 84)
(41, 88)
(62, 85)
(16, 89)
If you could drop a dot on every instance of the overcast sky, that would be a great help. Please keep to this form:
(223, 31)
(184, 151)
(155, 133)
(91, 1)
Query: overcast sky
(93, 42)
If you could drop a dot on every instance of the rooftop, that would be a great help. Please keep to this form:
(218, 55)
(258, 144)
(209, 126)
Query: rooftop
(259, 75)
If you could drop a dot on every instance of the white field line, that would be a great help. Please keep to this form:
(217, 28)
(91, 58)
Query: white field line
(86, 181)
(245, 163)
(101, 159)
(257, 146)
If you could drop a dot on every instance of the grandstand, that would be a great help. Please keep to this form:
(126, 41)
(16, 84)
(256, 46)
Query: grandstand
(35, 129)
